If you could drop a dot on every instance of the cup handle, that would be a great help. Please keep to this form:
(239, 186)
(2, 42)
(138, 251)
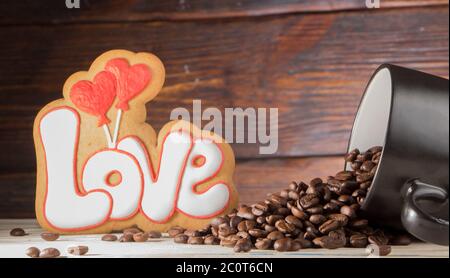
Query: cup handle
(419, 223)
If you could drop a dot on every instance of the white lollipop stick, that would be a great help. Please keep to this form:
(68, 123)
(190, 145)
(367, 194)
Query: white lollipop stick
(116, 128)
(108, 136)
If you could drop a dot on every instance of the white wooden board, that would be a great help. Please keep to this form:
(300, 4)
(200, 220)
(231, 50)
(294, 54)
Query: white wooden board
(165, 247)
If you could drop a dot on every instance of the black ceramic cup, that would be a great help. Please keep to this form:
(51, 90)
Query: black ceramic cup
(407, 112)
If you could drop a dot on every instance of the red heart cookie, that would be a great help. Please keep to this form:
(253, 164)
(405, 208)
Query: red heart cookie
(131, 80)
(95, 97)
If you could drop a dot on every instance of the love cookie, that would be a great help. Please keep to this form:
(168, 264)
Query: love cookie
(101, 167)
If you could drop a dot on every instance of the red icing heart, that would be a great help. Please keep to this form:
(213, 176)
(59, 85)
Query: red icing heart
(131, 80)
(95, 97)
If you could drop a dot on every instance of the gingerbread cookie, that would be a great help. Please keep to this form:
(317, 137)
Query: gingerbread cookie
(101, 167)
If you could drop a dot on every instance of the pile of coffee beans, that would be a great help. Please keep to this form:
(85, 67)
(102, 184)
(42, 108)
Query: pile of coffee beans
(319, 214)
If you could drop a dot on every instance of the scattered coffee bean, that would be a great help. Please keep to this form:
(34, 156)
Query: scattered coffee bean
(196, 240)
(175, 231)
(328, 226)
(282, 245)
(154, 234)
(17, 232)
(140, 237)
(263, 243)
(33, 252)
(243, 245)
(78, 250)
(126, 238)
(211, 240)
(49, 236)
(358, 241)
(377, 250)
(49, 253)
(328, 242)
(109, 237)
(181, 238)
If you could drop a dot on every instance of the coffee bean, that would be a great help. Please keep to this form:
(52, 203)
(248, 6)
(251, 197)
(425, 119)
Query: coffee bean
(341, 218)
(304, 243)
(359, 223)
(228, 242)
(78, 250)
(359, 193)
(315, 181)
(126, 238)
(205, 231)
(140, 237)
(331, 207)
(154, 234)
(261, 220)
(246, 212)
(218, 220)
(195, 240)
(346, 199)
(293, 195)
(364, 177)
(328, 242)
(49, 236)
(17, 232)
(293, 186)
(243, 235)
(226, 230)
(358, 241)
(243, 245)
(181, 238)
(378, 240)
(269, 228)
(211, 240)
(234, 221)
(272, 219)
(175, 231)
(317, 219)
(364, 156)
(263, 243)
(257, 233)
(284, 227)
(295, 246)
(376, 158)
(375, 149)
(246, 225)
(344, 176)
(365, 185)
(348, 211)
(49, 253)
(356, 165)
(309, 235)
(32, 252)
(351, 156)
(282, 211)
(309, 200)
(315, 210)
(328, 226)
(376, 250)
(109, 237)
(339, 235)
(282, 245)
(294, 221)
(347, 187)
(401, 240)
(299, 213)
(275, 235)
(367, 166)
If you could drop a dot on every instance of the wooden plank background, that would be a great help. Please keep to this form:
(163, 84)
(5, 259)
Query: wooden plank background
(309, 58)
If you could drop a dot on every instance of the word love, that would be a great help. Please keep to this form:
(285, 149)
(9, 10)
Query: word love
(139, 187)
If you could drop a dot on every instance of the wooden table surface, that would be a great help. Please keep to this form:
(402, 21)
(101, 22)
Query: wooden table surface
(165, 247)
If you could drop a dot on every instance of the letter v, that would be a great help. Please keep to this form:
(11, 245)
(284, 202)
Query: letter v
(161, 188)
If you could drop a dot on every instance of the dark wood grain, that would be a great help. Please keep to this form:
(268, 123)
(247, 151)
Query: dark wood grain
(50, 11)
(17, 189)
(312, 67)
